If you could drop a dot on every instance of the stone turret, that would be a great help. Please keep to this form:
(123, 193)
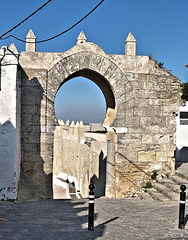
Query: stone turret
(81, 38)
(30, 42)
(130, 45)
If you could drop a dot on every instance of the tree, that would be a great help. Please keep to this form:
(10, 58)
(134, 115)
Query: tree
(184, 91)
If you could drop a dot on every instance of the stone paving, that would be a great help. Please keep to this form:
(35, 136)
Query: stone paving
(67, 219)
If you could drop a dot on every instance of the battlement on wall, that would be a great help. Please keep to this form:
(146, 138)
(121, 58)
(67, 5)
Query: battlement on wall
(70, 131)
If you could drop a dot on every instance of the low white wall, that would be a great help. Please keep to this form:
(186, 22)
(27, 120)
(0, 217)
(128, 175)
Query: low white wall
(97, 136)
(84, 163)
(93, 127)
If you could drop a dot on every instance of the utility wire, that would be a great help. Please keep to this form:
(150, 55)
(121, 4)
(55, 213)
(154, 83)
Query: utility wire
(33, 17)
(45, 40)
(25, 19)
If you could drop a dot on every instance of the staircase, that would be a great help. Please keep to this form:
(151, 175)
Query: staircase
(168, 188)
(65, 187)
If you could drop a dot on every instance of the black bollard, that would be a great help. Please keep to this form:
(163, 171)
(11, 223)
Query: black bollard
(182, 207)
(91, 208)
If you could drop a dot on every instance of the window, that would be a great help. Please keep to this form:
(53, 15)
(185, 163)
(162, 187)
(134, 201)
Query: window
(183, 118)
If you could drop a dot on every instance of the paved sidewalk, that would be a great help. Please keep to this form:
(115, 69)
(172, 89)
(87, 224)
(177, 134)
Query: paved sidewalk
(67, 219)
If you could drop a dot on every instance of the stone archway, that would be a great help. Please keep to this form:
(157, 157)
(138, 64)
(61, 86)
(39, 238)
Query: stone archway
(57, 76)
(141, 99)
(105, 88)
(102, 71)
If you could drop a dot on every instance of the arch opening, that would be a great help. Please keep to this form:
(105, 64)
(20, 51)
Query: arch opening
(80, 156)
(104, 86)
(79, 99)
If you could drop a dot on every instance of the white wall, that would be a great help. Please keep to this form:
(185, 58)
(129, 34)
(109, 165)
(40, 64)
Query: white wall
(10, 153)
(182, 137)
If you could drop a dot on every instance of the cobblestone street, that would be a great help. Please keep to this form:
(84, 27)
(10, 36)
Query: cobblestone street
(114, 219)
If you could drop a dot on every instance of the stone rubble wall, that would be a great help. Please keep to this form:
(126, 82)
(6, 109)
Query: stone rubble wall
(149, 146)
(84, 162)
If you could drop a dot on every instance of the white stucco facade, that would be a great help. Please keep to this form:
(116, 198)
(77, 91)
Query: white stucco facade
(10, 154)
(182, 134)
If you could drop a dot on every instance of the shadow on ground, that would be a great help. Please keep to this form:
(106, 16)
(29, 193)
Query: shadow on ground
(52, 219)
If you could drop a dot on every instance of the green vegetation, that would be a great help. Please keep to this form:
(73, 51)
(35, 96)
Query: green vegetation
(154, 175)
(184, 91)
(148, 185)
(160, 64)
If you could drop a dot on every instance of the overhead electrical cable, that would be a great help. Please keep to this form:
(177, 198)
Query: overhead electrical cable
(24, 19)
(74, 25)
(33, 17)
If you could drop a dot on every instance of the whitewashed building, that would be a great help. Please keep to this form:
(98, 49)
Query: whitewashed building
(182, 135)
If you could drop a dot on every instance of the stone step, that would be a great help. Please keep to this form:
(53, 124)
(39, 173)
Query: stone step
(156, 195)
(183, 168)
(179, 180)
(160, 192)
(182, 174)
(171, 185)
(166, 191)
(145, 196)
(168, 188)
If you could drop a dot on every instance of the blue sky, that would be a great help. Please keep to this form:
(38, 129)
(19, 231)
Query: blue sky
(159, 26)
(86, 91)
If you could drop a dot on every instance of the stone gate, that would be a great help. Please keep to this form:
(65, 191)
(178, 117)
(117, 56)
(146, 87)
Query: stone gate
(142, 101)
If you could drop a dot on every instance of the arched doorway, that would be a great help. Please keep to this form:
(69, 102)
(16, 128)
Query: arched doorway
(80, 151)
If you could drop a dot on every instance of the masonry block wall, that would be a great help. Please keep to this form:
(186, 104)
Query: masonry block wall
(150, 109)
